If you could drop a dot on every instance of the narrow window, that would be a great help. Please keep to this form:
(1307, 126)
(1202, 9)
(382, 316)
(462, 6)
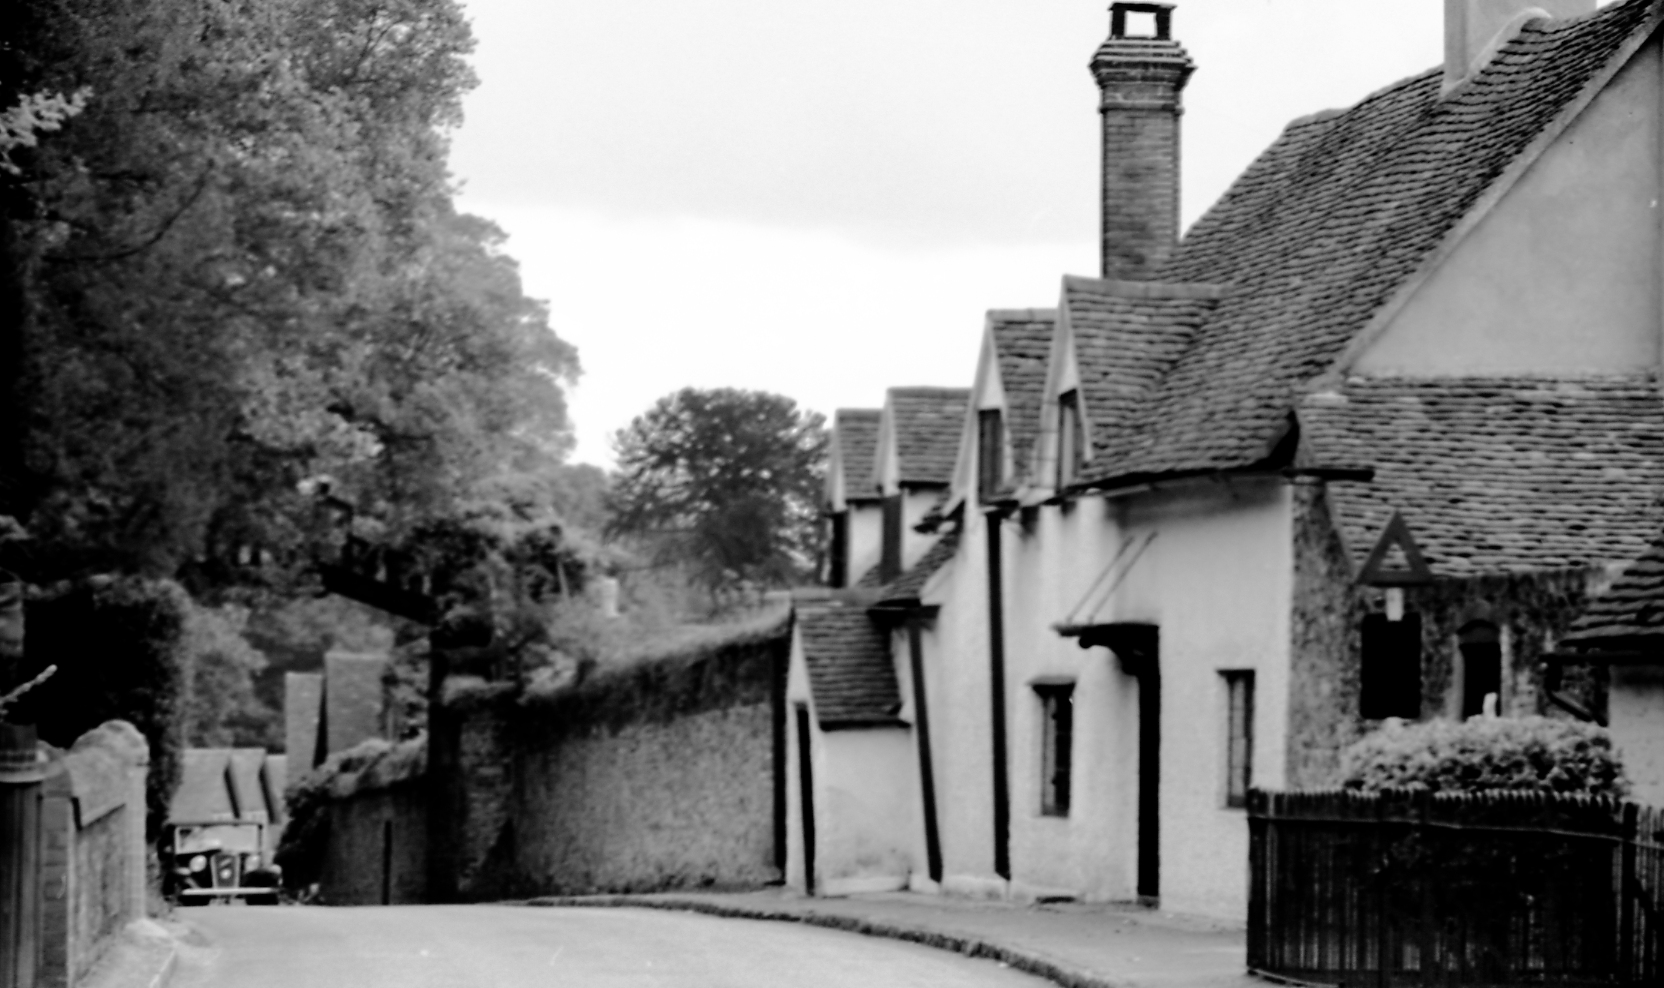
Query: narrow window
(1239, 737)
(1057, 727)
(1069, 438)
(990, 454)
(839, 575)
(1481, 645)
(889, 566)
(1390, 667)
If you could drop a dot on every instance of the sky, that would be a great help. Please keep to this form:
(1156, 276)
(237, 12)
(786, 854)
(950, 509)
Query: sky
(823, 199)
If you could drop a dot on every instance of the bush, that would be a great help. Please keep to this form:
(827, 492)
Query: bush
(1534, 754)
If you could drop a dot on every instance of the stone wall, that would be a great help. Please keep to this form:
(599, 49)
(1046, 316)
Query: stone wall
(92, 865)
(663, 774)
(376, 845)
(1531, 610)
(688, 803)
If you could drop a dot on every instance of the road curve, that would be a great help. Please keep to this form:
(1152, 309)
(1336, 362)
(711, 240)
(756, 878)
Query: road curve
(514, 946)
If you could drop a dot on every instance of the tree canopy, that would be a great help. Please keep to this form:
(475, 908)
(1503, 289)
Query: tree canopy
(236, 265)
(726, 482)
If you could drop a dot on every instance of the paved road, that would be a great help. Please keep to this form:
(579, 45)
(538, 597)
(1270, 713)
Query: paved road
(514, 946)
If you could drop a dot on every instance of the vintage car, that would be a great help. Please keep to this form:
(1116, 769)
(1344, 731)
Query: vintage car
(209, 860)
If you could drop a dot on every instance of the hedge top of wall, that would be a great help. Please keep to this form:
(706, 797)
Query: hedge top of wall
(728, 668)
(373, 765)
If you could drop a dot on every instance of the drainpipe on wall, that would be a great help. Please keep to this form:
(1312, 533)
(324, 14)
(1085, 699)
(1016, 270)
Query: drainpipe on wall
(996, 676)
(921, 728)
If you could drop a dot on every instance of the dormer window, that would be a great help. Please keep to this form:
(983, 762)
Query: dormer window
(990, 454)
(839, 550)
(1070, 439)
(889, 563)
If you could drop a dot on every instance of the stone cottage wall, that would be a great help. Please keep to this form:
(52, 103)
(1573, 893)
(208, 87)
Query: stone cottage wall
(1532, 610)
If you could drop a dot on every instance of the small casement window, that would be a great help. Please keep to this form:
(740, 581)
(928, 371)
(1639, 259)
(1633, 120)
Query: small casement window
(889, 564)
(990, 454)
(1239, 736)
(1481, 646)
(1070, 440)
(1390, 667)
(838, 551)
(1057, 735)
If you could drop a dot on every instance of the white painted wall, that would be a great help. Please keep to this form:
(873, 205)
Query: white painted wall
(1636, 706)
(916, 503)
(1561, 276)
(865, 800)
(866, 537)
(1219, 581)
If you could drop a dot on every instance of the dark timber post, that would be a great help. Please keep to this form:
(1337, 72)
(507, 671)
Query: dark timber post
(996, 677)
(1149, 777)
(806, 798)
(778, 728)
(1628, 888)
(387, 862)
(21, 777)
(927, 774)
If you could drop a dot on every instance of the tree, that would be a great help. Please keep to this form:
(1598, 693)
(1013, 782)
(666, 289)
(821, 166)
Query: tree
(238, 266)
(726, 482)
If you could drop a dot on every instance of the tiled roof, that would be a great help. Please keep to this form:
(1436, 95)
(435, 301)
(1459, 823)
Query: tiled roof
(1127, 336)
(928, 422)
(1022, 344)
(855, 430)
(851, 677)
(1631, 611)
(204, 791)
(1496, 475)
(1328, 224)
(910, 583)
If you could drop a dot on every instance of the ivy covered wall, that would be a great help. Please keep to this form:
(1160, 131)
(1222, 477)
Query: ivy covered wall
(1531, 610)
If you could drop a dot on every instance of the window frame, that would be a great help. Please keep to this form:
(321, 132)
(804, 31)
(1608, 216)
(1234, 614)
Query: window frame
(990, 454)
(1057, 742)
(1390, 667)
(1239, 736)
(1070, 438)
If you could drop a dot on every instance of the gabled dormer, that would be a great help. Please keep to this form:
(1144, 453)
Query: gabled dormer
(1114, 342)
(918, 444)
(854, 507)
(997, 444)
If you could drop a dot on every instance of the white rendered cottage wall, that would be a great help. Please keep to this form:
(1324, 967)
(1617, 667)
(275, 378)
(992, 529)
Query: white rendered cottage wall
(866, 537)
(865, 799)
(1092, 853)
(955, 651)
(1636, 708)
(1562, 274)
(1218, 580)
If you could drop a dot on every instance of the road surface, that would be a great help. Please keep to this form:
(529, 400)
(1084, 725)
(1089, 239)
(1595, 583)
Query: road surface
(515, 946)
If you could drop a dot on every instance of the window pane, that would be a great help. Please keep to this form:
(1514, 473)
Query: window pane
(1239, 737)
(1390, 668)
(1057, 719)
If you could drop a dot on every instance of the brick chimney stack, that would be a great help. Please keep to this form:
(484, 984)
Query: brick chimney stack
(1141, 76)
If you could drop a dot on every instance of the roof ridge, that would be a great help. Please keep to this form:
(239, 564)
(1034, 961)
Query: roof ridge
(1152, 289)
(1024, 315)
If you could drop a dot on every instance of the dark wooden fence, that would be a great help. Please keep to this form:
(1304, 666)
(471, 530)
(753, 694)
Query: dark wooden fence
(1417, 889)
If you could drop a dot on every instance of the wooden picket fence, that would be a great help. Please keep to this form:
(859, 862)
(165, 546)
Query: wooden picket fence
(1404, 888)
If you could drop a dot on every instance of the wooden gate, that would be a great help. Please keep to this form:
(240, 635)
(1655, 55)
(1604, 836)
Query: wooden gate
(21, 793)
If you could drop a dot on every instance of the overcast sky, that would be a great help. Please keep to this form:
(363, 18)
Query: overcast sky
(822, 199)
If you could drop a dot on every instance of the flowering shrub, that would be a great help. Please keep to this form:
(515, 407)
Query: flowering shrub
(1535, 754)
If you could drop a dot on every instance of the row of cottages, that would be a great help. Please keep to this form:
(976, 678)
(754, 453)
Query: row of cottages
(1361, 445)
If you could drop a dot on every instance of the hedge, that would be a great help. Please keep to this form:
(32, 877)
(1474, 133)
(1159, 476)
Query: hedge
(1531, 754)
